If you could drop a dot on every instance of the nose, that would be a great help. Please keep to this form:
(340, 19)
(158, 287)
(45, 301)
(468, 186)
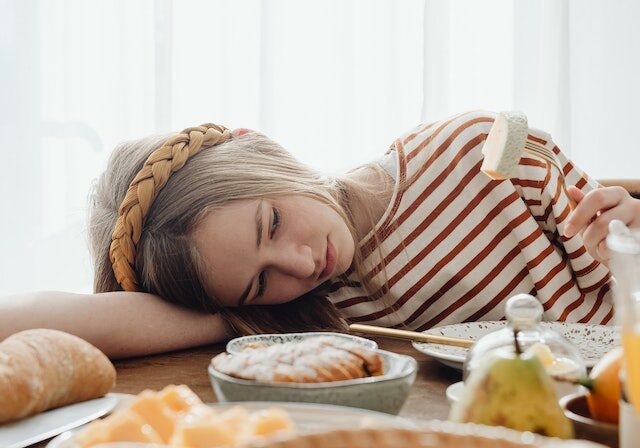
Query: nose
(295, 261)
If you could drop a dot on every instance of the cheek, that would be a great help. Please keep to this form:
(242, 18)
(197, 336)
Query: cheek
(346, 248)
(287, 289)
(349, 252)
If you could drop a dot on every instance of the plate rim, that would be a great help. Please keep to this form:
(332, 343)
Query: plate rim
(373, 345)
(444, 356)
(403, 422)
(589, 363)
(449, 391)
(54, 433)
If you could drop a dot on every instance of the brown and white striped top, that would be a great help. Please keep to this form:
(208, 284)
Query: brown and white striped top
(455, 245)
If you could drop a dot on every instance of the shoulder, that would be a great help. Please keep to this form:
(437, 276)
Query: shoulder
(460, 132)
(465, 124)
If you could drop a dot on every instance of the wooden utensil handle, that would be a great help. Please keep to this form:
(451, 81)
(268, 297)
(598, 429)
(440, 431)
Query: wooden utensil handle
(410, 335)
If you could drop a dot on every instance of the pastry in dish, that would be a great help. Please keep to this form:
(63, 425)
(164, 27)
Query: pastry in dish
(313, 360)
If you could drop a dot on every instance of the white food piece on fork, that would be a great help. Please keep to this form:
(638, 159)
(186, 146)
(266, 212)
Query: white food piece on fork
(503, 148)
(553, 365)
(543, 352)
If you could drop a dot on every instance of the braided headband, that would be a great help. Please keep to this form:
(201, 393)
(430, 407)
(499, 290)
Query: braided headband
(143, 190)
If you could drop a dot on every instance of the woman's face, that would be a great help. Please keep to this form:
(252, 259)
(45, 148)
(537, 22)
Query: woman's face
(269, 251)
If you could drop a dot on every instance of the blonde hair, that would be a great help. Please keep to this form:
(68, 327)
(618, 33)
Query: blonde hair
(166, 260)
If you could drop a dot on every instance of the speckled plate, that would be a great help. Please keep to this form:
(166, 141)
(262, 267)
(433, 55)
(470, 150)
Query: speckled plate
(237, 345)
(593, 341)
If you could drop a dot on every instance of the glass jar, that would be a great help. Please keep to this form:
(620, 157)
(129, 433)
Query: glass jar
(524, 314)
(624, 248)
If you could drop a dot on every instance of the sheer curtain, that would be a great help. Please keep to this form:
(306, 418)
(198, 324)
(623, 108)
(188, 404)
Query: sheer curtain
(334, 81)
(572, 66)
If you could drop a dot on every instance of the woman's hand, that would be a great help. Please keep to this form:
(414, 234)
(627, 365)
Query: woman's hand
(593, 213)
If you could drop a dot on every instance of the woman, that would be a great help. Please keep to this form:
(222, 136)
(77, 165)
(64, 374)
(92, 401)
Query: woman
(237, 236)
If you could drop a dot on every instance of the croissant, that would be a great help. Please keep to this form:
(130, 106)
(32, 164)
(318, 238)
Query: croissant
(312, 360)
(44, 369)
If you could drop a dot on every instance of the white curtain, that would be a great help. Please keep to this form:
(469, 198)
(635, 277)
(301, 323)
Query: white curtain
(572, 66)
(334, 81)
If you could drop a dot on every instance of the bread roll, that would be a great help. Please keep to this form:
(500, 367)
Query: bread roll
(44, 369)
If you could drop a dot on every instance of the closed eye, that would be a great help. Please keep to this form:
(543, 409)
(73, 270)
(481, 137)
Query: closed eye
(262, 284)
(275, 223)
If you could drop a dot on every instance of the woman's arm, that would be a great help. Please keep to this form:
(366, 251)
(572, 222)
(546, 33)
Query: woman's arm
(121, 324)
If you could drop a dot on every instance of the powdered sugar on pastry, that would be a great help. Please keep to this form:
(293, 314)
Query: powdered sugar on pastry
(313, 360)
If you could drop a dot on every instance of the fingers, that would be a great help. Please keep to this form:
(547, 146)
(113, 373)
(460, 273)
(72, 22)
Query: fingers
(594, 236)
(575, 193)
(590, 205)
(603, 252)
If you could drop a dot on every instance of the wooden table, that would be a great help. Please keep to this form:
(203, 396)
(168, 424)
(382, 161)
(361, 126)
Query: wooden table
(426, 400)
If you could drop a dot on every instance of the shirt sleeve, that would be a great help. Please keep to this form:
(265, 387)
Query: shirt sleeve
(542, 186)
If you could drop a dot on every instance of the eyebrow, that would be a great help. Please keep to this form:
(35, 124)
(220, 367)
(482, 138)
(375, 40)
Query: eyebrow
(246, 291)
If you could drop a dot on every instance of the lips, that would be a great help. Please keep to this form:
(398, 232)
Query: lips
(330, 261)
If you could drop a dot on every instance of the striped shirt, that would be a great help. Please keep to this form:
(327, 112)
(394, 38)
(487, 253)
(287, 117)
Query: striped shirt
(454, 245)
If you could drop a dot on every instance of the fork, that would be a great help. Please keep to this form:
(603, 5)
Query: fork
(548, 155)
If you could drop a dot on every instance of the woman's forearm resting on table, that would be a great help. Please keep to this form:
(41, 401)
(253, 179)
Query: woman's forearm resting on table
(121, 324)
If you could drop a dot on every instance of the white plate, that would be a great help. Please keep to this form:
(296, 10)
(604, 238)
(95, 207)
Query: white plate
(454, 392)
(307, 417)
(592, 341)
(47, 424)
